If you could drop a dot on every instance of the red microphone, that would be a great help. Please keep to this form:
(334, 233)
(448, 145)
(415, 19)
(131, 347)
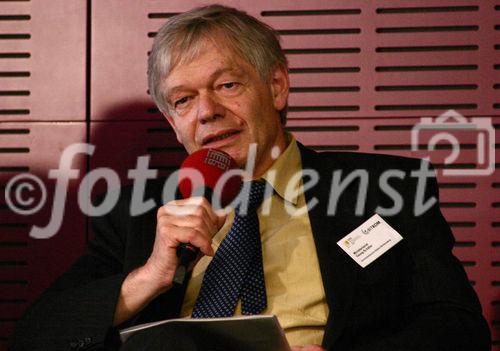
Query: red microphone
(198, 176)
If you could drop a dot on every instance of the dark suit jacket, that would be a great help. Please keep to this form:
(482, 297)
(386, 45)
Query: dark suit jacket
(414, 297)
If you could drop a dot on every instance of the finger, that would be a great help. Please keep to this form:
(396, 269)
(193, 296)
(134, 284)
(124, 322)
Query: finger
(181, 235)
(198, 220)
(221, 218)
(196, 201)
(189, 206)
(201, 201)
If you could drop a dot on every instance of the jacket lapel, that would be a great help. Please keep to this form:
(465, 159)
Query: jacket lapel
(338, 270)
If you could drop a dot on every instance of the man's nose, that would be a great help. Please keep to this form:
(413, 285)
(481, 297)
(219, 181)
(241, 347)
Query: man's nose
(209, 108)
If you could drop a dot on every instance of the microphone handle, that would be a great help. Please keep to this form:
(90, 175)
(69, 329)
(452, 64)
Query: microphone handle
(186, 253)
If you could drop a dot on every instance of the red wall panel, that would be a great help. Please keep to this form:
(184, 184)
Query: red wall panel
(402, 64)
(42, 60)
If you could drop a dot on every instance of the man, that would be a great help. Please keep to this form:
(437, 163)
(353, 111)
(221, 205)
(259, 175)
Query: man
(220, 78)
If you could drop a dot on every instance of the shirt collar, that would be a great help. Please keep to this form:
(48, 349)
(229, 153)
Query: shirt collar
(283, 169)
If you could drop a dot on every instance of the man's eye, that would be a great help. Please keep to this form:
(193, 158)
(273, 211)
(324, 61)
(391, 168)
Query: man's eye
(229, 85)
(179, 102)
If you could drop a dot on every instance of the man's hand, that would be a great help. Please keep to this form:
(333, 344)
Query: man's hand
(307, 348)
(189, 220)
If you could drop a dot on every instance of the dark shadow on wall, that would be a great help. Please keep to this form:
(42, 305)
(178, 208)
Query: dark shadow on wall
(28, 265)
(128, 131)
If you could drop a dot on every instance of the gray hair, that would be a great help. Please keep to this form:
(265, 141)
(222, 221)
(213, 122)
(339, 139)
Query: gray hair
(180, 40)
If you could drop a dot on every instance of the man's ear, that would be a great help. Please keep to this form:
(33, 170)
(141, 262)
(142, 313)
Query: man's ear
(280, 85)
(172, 123)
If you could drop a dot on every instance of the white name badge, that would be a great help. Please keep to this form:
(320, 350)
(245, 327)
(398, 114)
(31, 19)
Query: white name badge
(370, 240)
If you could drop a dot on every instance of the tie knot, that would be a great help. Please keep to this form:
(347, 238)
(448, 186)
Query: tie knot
(257, 190)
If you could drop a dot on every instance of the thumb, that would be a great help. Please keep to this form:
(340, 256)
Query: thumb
(221, 218)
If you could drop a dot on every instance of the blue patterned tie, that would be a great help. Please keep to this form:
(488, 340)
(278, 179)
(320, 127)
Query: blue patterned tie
(236, 270)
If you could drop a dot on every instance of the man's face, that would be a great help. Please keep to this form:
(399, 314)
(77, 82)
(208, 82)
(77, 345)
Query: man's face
(219, 101)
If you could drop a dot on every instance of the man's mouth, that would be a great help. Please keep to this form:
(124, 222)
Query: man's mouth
(212, 139)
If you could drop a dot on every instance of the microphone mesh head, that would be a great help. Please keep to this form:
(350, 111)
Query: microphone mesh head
(211, 164)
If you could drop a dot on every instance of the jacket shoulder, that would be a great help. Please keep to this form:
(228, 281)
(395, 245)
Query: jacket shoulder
(359, 160)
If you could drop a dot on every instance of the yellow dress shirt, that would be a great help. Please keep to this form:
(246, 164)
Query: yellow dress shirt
(294, 287)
